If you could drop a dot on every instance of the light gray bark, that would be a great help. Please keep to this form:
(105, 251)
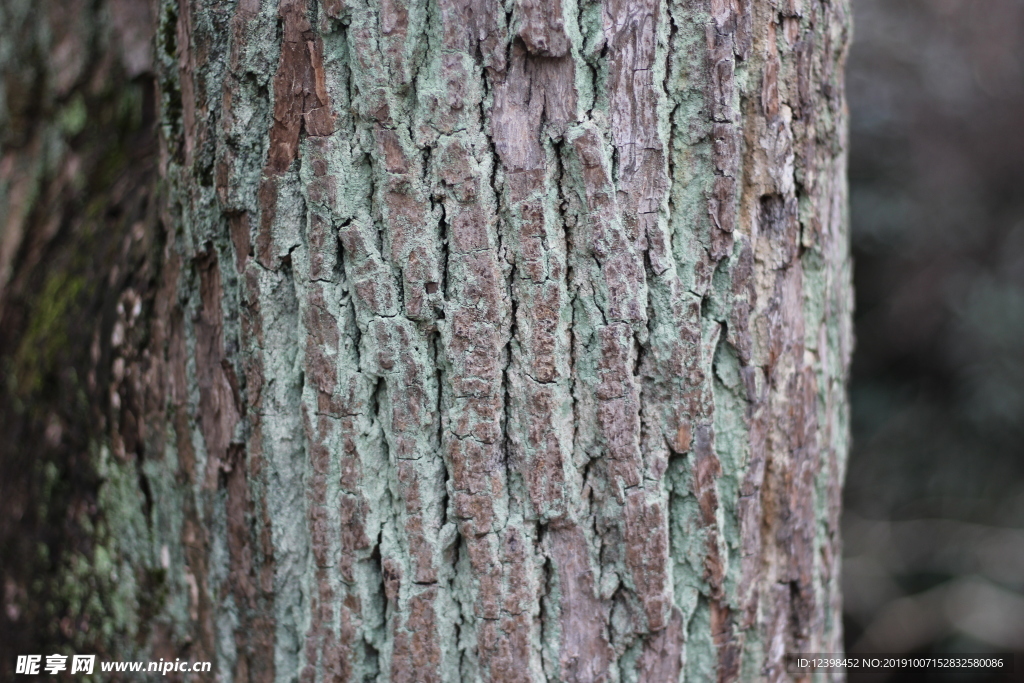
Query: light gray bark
(498, 341)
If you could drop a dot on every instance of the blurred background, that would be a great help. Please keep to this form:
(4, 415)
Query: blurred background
(934, 510)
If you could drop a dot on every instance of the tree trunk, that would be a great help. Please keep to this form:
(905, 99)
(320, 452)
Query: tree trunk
(489, 342)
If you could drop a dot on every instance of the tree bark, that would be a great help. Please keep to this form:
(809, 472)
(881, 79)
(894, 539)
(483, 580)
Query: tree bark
(489, 342)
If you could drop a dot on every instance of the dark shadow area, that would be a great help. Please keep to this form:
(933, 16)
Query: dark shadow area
(934, 506)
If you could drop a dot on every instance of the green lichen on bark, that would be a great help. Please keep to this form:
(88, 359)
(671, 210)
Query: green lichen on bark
(557, 297)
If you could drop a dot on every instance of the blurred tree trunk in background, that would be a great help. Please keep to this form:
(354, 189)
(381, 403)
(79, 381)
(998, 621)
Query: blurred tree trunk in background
(78, 233)
(455, 341)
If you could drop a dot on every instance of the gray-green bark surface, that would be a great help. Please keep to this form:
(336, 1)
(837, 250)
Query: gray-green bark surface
(494, 341)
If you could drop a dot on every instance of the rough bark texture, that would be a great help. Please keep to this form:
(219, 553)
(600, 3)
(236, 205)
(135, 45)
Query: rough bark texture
(495, 341)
